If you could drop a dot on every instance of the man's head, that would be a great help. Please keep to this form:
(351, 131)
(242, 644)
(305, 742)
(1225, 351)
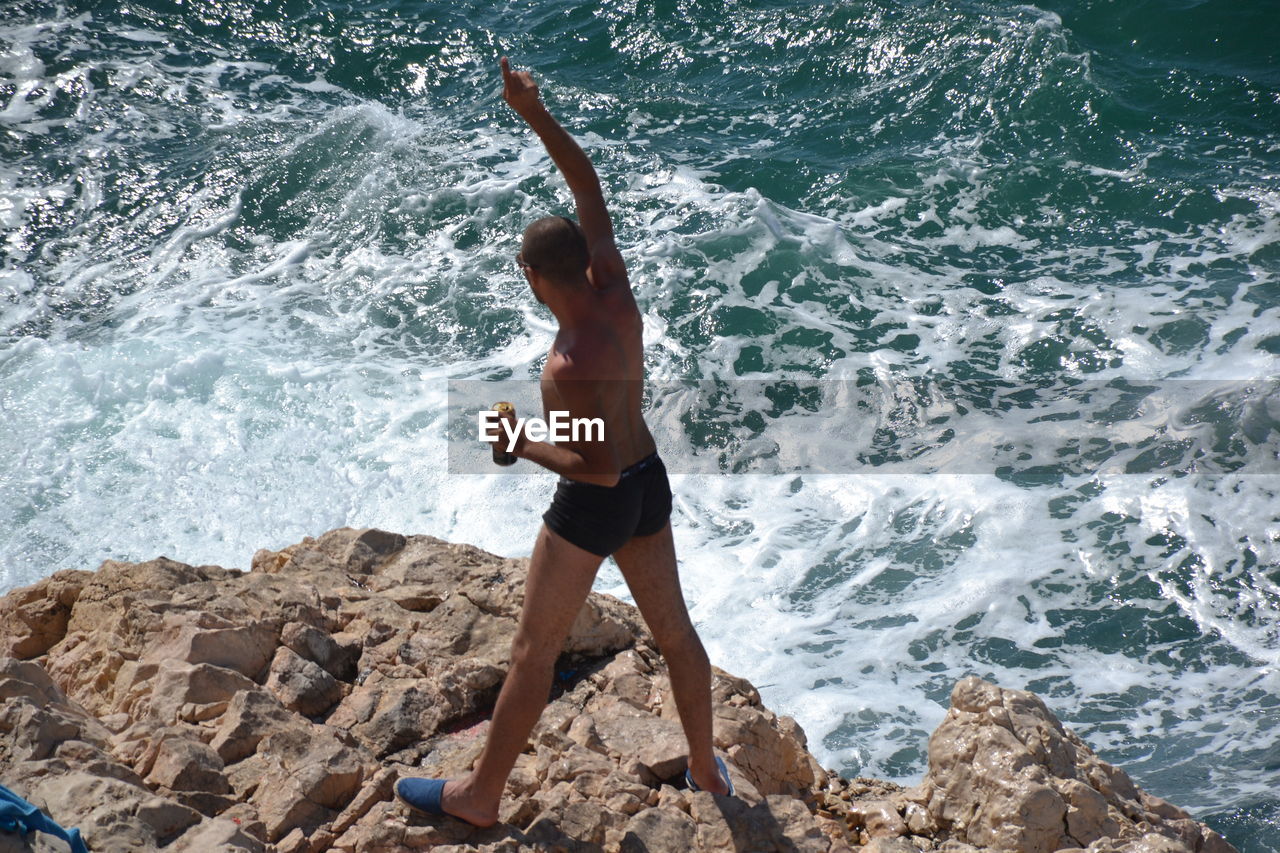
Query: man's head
(555, 248)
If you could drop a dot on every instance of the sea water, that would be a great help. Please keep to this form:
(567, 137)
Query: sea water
(978, 304)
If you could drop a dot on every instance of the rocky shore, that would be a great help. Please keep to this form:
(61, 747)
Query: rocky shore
(162, 706)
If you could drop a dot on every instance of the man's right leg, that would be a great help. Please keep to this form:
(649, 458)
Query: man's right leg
(648, 564)
(560, 576)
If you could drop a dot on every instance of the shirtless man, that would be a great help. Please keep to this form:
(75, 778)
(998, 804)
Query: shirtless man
(613, 498)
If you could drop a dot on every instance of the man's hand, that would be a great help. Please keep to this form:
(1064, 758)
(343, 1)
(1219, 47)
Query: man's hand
(519, 90)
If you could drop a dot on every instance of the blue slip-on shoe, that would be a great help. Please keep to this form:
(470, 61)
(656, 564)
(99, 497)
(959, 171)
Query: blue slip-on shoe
(724, 774)
(421, 795)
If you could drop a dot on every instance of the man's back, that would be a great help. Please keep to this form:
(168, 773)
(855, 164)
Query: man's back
(603, 353)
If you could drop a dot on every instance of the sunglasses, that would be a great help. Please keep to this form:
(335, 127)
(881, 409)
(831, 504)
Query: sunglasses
(525, 266)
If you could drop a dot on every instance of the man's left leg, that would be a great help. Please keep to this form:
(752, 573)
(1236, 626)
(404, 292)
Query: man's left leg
(560, 577)
(648, 564)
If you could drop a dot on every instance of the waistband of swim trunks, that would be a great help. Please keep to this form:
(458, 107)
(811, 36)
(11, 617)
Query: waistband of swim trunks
(634, 468)
(637, 467)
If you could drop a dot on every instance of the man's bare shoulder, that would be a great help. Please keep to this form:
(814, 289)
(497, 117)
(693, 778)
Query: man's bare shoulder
(576, 384)
(618, 302)
(593, 355)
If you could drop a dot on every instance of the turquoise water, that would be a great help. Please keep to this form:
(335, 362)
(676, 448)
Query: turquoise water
(246, 247)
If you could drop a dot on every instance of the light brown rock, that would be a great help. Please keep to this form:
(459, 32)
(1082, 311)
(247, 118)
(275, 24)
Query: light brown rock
(251, 715)
(112, 815)
(220, 834)
(1005, 774)
(302, 685)
(339, 655)
(890, 845)
(878, 817)
(309, 776)
(192, 708)
(194, 692)
(185, 764)
(33, 619)
(657, 745)
(203, 637)
(659, 829)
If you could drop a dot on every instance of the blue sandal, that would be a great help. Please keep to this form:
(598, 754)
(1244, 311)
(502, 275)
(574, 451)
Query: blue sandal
(421, 795)
(724, 774)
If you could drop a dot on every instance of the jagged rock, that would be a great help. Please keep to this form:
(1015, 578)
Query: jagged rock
(194, 692)
(208, 638)
(1005, 774)
(301, 685)
(184, 764)
(890, 845)
(112, 815)
(879, 817)
(338, 655)
(193, 708)
(777, 823)
(310, 775)
(221, 834)
(35, 618)
(769, 750)
(251, 715)
(656, 746)
(659, 829)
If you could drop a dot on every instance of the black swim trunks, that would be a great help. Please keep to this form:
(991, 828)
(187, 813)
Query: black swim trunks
(601, 519)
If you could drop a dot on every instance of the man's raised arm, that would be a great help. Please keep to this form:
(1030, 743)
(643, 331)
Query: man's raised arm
(521, 93)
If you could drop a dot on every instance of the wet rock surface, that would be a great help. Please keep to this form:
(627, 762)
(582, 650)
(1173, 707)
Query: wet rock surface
(164, 706)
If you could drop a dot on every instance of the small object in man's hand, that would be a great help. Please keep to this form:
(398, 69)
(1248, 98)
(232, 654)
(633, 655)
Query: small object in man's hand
(500, 455)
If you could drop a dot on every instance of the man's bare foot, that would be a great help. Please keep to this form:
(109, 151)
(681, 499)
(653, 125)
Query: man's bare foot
(458, 800)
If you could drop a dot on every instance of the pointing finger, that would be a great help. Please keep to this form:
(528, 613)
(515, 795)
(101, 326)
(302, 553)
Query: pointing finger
(506, 69)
